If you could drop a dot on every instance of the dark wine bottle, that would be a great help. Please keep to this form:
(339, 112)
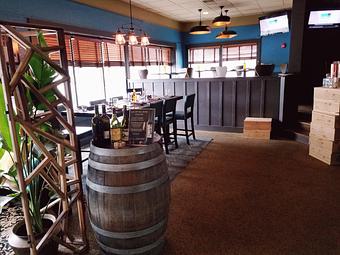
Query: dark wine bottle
(96, 123)
(125, 125)
(105, 119)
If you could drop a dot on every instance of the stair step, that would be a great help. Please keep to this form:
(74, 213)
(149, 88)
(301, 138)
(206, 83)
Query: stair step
(301, 137)
(303, 127)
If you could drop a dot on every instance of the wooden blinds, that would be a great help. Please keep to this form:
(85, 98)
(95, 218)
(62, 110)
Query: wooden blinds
(202, 55)
(150, 55)
(113, 54)
(88, 52)
(239, 52)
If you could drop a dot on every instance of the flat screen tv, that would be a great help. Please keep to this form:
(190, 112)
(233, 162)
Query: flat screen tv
(274, 24)
(324, 19)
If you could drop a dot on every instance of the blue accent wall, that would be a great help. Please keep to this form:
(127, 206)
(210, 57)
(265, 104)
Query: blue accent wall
(271, 51)
(71, 13)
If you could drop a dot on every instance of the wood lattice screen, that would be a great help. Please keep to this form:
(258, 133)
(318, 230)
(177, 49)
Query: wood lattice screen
(64, 153)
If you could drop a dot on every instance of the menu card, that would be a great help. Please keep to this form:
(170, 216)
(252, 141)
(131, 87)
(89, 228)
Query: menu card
(141, 126)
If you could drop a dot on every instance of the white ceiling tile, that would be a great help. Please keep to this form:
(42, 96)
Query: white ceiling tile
(187, 10)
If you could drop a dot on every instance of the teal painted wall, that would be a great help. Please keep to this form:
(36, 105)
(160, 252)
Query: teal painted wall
(271, 51)
(71, 13)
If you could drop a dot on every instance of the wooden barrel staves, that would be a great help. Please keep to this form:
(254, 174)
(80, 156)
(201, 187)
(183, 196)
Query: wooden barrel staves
(128, 198)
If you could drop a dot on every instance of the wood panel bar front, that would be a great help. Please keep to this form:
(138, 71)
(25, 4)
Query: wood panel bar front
(222, 104)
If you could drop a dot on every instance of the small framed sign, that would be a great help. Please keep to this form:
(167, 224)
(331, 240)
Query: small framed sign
(141, 126)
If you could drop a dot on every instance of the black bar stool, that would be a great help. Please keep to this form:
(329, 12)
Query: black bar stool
(188, 113)
(158, 106)
(168, 118)
(137, 90)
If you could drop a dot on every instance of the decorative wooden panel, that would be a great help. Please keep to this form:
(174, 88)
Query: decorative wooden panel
(52, 168)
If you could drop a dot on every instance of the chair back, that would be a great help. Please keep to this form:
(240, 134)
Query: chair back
(158, 106)
(137, 90)
(189, 105)
(100, 101)
(169, 108)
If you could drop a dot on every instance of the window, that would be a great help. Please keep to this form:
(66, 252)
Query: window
(114, 69)
(203, 59)
(96, 67)
(156, 59)
(239, 55)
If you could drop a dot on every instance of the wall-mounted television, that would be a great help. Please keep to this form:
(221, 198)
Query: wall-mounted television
(324, 19)
(274, 24)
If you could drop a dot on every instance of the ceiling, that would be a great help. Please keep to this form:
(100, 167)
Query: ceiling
(186, 10)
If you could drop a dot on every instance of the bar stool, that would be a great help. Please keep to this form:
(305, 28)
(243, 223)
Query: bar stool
(158, 106)
(168, 118)
(188, 113)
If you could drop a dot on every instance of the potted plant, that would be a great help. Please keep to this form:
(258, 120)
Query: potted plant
(39, 74)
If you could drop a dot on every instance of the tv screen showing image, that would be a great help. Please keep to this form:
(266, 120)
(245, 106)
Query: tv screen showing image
(327, 18)
(274, 24)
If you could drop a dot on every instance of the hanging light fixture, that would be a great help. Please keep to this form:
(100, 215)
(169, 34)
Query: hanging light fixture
(130, 33)
(200, 30)
(222, 20)
(226, 34)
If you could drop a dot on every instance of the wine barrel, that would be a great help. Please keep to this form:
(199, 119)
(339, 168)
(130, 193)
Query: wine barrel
(128, 195)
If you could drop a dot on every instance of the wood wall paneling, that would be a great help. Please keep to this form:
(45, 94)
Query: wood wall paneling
(223, 103)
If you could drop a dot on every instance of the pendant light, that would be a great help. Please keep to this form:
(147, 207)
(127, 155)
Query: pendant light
(226, 34)
(130, 33)
(200, 30)
(221, 20)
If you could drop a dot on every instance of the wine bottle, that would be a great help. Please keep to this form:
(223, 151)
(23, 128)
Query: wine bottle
(115, 127)
(105, 119)
(96, 123)
(134, 96)
(125, 125)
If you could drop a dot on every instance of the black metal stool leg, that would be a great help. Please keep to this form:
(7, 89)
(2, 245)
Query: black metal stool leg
(186, 130)
(193, 129)
(175, 132)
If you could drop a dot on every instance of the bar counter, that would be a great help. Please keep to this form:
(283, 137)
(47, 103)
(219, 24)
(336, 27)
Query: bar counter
(222, 104)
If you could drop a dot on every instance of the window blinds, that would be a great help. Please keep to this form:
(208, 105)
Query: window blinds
(89, 52)
(150, 55)
(239, 52)
(209, 54)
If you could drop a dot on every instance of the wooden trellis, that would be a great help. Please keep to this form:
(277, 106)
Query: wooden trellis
(67, 186)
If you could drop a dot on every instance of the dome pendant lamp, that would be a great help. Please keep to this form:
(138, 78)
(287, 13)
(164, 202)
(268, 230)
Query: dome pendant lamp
(221, 21)
(200, 30)
(226, 34)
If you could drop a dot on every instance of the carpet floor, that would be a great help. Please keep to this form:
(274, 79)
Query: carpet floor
(251, 197)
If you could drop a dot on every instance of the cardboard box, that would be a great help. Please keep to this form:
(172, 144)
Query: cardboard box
(326, 157)
(323, 131)
(329, 120)
(324, 144)
(257, 134)
(327, 106)
(327, 94)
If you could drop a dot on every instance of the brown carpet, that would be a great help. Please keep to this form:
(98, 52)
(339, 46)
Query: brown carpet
(252, 197)
(244, 196)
